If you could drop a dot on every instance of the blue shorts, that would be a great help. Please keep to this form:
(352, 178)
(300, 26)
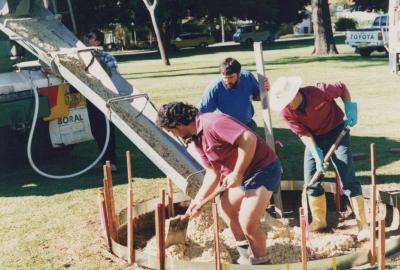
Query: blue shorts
(269, 177)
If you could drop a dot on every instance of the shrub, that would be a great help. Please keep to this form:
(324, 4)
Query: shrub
(343, 24)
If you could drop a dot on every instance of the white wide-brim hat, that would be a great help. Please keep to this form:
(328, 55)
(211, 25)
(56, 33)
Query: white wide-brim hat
(283, 91)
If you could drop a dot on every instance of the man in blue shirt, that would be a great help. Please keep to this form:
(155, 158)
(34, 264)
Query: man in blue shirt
(233, 93)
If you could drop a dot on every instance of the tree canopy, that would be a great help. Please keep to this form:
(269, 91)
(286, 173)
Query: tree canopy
(279, 11)
(101, 13)
(371, 5)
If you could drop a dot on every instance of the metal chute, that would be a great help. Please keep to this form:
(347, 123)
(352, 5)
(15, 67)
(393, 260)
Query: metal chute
(43, 34)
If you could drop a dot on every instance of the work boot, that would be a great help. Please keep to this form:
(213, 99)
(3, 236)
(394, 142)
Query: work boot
(357, 203)
(244, 252)
(318, 212)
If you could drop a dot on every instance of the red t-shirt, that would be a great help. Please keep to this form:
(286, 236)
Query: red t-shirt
(216, 135)
(321, 115)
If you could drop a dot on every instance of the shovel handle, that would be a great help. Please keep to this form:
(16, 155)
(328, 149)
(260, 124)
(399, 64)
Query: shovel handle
(211, 196)
(203, 202)
(336, 144)
(328, 155)
(206, 200)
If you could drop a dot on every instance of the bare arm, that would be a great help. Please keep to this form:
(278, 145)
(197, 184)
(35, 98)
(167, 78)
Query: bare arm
(264, 86)
(346, 94)
(350, 108)
(308, 140)
(246, 144)
(316, 152)
(210, 183)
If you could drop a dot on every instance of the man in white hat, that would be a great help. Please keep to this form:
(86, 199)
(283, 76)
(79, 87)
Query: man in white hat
(312, 113)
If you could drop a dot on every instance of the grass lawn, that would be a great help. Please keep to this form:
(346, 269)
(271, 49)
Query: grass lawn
(54, 224)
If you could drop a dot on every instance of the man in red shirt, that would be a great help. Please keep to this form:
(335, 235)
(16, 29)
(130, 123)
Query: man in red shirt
(312, 113)
(231, 151)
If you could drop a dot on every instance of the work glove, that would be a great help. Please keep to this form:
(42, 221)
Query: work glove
(350, 108)
(318, 156)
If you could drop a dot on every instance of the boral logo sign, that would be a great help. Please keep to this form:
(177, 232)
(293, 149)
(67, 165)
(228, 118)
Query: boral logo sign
(70, 119)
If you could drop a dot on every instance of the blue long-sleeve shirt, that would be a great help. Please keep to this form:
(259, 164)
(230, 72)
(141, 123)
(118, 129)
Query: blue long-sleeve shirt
(236, 102)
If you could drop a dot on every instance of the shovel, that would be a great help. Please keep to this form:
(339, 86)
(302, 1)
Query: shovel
(176, 227)
(317, 174)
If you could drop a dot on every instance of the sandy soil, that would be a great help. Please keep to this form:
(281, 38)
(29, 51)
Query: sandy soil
(283, 234)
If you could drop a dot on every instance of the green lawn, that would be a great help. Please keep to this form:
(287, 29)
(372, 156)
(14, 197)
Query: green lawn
(53, 224)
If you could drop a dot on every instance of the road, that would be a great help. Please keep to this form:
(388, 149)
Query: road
(219, 44)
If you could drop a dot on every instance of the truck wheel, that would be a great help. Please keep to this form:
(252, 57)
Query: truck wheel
(6, 153)
(271, 39)
(42, 148)
(365, 52)
(12, 150)
(13, 145)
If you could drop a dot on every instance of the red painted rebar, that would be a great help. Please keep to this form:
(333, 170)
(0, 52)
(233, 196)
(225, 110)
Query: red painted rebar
(130, 228)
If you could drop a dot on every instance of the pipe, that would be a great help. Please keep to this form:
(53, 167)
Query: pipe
(29, 146)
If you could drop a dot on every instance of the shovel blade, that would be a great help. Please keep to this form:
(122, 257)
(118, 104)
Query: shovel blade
(175, 230)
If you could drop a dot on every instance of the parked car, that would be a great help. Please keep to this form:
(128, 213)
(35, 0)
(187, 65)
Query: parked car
(192, 40)
(247, 34)
(369, 39)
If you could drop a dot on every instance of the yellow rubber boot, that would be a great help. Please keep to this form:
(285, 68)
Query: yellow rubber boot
(357, 203)
(318, 212)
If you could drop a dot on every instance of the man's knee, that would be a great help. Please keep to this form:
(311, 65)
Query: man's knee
(227, 210)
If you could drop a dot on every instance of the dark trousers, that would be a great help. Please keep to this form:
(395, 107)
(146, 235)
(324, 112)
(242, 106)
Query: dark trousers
(342, 160)
(99, 131)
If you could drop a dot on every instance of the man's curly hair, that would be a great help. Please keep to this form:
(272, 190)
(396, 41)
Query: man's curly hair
(174, 113)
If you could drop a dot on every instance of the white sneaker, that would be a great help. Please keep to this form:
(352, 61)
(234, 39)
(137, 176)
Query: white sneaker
(244, 252)
(242, 260)
(259, 260)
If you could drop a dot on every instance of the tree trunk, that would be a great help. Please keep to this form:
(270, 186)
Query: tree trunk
(324, 43)
(169, 31)
(222, 29)
(151, 8)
